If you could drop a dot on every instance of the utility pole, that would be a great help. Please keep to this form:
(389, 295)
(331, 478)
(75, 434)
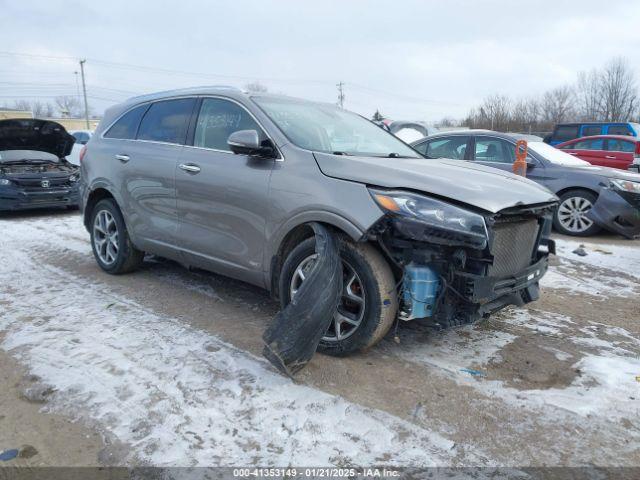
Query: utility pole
(340, 94)
(84, 92)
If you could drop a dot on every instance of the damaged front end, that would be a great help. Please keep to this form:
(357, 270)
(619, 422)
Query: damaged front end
(456, 265)
(618, 208)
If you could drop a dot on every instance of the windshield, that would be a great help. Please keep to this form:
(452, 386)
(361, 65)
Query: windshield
(326, 128)
(26, 155)
(556, 156)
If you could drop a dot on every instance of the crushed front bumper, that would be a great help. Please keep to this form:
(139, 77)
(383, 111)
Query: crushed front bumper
(12, 198)
(617, 212)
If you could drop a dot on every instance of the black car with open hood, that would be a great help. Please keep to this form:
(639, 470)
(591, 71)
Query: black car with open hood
(33, 170)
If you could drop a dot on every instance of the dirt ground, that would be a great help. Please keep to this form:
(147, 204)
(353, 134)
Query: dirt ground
(163, 367)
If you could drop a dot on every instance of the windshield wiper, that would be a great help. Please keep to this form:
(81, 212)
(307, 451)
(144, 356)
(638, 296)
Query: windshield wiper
(341, 153)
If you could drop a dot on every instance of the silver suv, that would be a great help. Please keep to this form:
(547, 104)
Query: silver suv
(228, 182)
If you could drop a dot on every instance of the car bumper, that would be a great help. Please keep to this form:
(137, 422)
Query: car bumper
(616, 213)
(17, 199)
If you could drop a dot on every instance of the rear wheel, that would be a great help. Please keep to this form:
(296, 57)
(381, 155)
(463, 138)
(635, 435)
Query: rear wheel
(112, 247)
(368, 304)
(571, 215)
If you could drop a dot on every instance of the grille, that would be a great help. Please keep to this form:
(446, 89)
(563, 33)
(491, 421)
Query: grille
(513, 246)
(36, 183)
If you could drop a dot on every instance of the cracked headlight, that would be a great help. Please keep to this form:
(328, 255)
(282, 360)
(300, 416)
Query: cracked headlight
(5, 181)
(625, 185)
(433, 220)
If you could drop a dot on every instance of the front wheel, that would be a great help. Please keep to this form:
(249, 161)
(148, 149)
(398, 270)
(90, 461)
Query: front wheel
(112, 247)
(571, 215)
(368, 304)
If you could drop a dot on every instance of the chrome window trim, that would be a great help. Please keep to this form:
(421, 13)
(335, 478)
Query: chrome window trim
(197, 97)
(102, 135)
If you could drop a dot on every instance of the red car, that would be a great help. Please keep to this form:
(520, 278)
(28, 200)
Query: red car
(615, 151)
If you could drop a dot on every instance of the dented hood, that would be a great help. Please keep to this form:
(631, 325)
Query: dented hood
(34, 134)
(483, 187)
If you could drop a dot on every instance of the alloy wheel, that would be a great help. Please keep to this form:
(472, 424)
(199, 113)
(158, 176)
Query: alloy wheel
(105, 237)
(349, 311)
(572, 214)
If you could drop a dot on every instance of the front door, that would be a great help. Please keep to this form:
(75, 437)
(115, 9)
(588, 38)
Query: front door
(223, 197)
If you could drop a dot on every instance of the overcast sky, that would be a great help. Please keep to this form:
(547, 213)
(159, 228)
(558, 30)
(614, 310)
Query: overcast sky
(419, 60)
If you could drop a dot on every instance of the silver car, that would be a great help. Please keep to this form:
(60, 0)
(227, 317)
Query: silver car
(229, 181)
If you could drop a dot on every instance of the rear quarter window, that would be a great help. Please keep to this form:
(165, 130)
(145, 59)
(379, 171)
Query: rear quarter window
(127, 126)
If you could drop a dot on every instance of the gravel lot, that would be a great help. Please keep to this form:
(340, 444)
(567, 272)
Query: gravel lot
(163, 367)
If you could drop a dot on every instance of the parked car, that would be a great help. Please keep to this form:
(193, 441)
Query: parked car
(82, 138)
(33, 169)
(408, 131)
(615, 151)
(591, 197)
(564, 132)
(229, 182)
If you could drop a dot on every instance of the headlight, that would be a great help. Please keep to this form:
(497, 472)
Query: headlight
(625, 185)
(439, 222)
(5, 181)
(74, 178)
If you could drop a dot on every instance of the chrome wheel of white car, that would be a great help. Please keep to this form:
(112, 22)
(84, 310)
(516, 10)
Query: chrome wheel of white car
(349, 312)
(105, 237)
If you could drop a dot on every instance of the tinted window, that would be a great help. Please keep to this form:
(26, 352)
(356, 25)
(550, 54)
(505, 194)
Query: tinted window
(445, 147)
(594, 144)
(565, 133)
(217, 120)
(127, 126)
(494, 150)
(620, 145)
(167, 121)
(592, 130)
(618, 130)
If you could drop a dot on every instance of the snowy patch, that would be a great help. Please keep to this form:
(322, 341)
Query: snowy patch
(574, 280)
(177, 395)
(613, 257)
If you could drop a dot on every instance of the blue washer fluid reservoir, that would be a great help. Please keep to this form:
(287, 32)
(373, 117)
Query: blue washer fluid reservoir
(419, 291)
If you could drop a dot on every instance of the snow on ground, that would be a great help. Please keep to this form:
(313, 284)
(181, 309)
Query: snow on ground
(609, 363)
(578, 278)
(613, 257)
(176, 395)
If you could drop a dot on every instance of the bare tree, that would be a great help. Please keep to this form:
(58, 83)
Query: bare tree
(589, 96)
(42, 109)
(69, 106)
(256, 87)
(619, 91)
(557, 105)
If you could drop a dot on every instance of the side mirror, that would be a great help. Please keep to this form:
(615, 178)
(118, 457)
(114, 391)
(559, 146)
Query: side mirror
(247, 142)
(531, 163)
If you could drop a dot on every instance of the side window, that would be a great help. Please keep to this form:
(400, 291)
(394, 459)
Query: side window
(618, 130)
(218, 119)
(446, 147)
(591, 130)
(422, 147)
(81, 137)
(494, 150)
(592, 144)
(127, 126)
(167, 121)
(566, 132)
(617, 145)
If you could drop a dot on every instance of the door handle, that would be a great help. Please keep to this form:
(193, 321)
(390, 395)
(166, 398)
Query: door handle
(122, 158)
(189, 167)
(573, 153)
(611, 157)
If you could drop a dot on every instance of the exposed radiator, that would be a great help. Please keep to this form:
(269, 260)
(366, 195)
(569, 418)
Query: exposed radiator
(512, 246)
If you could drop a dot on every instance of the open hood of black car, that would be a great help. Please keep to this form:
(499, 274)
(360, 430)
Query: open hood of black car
(35, 134)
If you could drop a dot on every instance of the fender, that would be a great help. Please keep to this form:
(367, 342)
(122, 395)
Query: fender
(355, 232)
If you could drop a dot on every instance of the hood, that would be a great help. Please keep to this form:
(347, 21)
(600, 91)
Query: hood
(483, 187)
(34, 134)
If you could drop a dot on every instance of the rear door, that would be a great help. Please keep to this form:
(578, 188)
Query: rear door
(590, 150)
(620, 152)
(148, 167)
(223, 198)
